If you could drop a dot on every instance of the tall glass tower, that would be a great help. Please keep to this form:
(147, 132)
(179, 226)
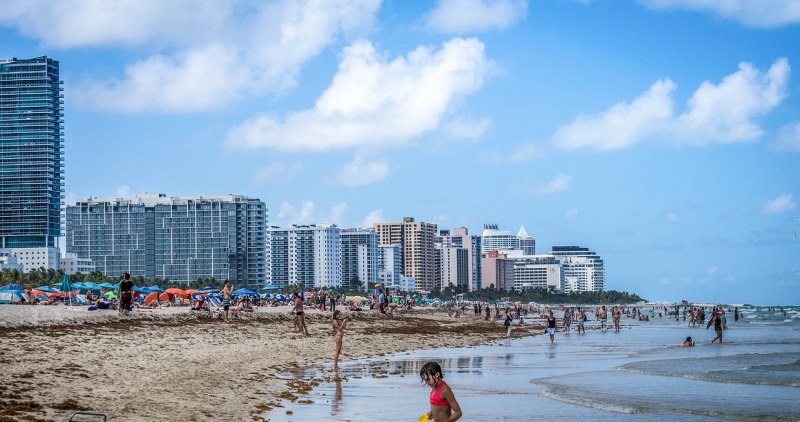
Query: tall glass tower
(31, 152)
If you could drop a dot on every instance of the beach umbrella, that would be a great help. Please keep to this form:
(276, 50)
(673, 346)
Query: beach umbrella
(141, 289)
(177, 292)
(208, 290)
(150, 298)
(243, 291)
(155, 288)
(46, 289)
(66, 287)
(270, 287)
(108, 285)
(12, 287)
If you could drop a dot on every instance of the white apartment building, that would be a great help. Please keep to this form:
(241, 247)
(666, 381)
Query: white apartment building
(71, 264)
(537, 272)
(34, 258)
(494, 239)
(8, 261)
(390, 265)
(583, 269)
(453, 267)
(304, 255)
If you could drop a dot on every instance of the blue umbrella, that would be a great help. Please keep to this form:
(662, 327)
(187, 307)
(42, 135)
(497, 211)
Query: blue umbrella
(155, 288)
(270, 287)
(142, 289)
(12, 287)
(108, 285)
(244, 291)
(208, 290)
(46, 289)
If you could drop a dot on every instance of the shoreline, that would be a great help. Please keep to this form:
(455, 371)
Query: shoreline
(171, 363)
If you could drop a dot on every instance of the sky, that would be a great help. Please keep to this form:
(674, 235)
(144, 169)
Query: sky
(662, 134)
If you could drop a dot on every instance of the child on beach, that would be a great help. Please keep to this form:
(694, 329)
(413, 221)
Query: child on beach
(339, 323)
(687, 343)
(444, 406)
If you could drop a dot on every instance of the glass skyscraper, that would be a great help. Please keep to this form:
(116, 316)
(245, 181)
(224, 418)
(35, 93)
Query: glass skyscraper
(31, 152)
(177, 239)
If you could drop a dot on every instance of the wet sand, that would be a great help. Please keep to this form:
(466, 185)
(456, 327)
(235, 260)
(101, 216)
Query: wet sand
(173, 364)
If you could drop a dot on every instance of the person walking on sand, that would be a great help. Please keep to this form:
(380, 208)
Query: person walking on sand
(300, 319)
(226, 293)
(615, 316)
(339, 323)
(444, 406)
(551, 327)
(125, 293)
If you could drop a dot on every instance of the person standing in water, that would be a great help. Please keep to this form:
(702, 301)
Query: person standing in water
(615, 316)
(507, 323)
(551, 327)
(717, 321)
(580, 318)
(444, 406)
(339, 323)
(567, 320)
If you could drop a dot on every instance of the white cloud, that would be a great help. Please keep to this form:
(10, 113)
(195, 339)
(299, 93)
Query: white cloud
(460, 16)
(123, 192)
(782, 203)
(275, 172)
(289, 214)
(571, 213)
(722, 113)
(374, 216)
(362, 171)
(756, 14)
(560, 183)
(622, 125)
(525, 152)
(466, 129)
(788, 138)
(374, 102)
(337, 213)
(220, 52)
(673, 218)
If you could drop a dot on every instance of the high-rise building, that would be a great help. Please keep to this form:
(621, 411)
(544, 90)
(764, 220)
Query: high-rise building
(306, 256)
(417, 242)
(495, 239)
(31, 153)
(461, 238)
(390, 265)
(583, 269)
(359, 257)
(526, 242)
(172, 238)
(537, 272)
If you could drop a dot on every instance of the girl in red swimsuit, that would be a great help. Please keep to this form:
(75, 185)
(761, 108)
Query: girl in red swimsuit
(444, 406)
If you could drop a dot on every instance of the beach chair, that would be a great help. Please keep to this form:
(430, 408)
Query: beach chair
(214, 302)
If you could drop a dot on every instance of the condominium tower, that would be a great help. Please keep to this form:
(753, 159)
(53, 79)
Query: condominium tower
(583, 269)
(31, 153)
(172, 238)
(360, 257)
(306, 256)
(416, 240)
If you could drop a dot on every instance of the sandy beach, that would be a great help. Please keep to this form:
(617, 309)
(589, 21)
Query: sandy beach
(174, 364)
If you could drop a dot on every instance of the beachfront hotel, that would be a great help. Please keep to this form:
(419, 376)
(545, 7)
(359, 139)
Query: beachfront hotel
(31, 153)
(583, 269)
(304, 256)
(416, 240)
(360, 255)
(459, 237)
(180, 239)
(494, 239)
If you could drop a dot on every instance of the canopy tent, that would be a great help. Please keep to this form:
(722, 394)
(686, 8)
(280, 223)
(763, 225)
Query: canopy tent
(12, 287)
(244, 291)
(11, 296)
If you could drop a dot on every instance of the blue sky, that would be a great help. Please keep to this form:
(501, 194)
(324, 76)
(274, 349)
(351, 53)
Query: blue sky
(664, 134)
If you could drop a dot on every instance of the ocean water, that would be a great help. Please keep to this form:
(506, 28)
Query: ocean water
(637, 374)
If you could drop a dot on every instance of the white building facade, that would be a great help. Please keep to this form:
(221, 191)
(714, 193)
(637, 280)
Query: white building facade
(35, 258)
(72, 264)
(304, 255)
(583, 269)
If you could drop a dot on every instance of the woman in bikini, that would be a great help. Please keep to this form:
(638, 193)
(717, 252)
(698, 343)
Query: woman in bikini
(339, 323)
(444, 406)
(300, 320)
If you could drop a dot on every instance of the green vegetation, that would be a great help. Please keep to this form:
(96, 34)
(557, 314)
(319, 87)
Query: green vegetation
(543, 296)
